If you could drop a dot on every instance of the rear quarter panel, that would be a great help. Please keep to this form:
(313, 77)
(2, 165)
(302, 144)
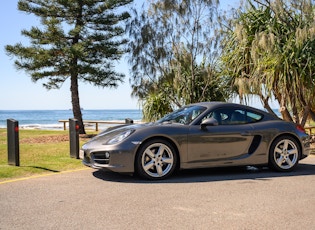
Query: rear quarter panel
(270, 130)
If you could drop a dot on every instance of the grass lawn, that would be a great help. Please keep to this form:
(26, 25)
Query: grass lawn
(41, 151)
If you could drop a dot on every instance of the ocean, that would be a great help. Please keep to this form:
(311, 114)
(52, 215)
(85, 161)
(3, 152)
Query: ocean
(48, 119)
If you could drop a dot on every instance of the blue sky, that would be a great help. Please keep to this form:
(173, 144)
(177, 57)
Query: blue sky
(18, 92)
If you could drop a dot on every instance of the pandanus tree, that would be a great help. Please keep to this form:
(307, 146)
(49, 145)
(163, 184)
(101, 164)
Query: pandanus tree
(270, 50)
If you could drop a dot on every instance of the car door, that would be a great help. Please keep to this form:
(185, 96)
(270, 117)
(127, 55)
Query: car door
(230, 139)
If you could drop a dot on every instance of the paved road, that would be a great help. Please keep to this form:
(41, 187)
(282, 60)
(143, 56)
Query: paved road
(200, 199)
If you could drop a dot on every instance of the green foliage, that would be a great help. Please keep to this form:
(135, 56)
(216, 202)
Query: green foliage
(85, 33)
(156, 106)
(270, 51)
(171, 53)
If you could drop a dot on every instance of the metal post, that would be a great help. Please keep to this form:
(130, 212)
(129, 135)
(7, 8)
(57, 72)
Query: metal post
(128, 121)
(74, 138)
(13, 142)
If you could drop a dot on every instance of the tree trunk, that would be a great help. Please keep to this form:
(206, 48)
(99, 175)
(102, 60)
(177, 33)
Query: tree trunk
(283, 109)
(76, 109)
(312, 114)
(296, 116)
(266, 104)
(306, 108)
(305, 115)
(285, 114)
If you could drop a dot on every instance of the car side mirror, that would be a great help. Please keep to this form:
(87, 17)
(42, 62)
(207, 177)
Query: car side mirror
(209, 122)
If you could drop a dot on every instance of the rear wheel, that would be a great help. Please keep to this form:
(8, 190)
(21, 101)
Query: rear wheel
(284, 154)
(156, 160)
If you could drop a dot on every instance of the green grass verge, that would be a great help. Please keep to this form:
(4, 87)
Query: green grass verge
(41, 151)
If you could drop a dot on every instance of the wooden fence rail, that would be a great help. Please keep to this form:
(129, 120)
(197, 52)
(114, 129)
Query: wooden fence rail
(310, 130)
(97, 122)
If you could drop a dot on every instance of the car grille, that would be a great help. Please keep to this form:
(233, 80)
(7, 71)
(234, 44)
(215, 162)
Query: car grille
(100, 157)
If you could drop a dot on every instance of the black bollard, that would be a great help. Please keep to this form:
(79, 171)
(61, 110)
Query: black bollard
(13, 142)
(128, 121)
(74, 138)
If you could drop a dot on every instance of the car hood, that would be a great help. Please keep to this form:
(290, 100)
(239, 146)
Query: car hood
(111, 132)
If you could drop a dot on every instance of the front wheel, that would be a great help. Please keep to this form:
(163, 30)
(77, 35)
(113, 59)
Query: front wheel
(156, 160)
(284, 154)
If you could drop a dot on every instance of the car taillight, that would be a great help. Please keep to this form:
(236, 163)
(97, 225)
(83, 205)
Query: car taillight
(300, 128)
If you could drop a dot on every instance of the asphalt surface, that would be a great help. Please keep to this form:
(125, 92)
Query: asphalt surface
(237, 198)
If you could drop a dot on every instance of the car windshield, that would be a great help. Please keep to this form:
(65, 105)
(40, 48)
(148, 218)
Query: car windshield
(183, 115)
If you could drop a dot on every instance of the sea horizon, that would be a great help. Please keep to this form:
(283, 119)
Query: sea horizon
(49, 118)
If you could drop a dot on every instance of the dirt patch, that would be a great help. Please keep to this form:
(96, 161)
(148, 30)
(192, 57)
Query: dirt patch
(45, 139)
(52, 139)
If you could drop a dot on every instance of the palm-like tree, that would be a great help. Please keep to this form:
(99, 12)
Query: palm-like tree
(270, 50)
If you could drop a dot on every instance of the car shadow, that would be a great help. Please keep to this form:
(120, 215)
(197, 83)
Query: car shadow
(210, 175)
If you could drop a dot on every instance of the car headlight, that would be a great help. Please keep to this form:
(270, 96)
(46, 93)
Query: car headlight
(120, 137)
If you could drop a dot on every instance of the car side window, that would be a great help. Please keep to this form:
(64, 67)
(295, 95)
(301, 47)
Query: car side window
(221, 115)
(238, 117)
(232, 116)
(253, 117)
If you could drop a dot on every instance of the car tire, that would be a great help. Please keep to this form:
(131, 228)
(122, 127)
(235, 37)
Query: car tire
(156, 160)
(284, 154)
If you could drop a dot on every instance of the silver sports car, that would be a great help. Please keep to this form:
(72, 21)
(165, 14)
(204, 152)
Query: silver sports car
(201, 135)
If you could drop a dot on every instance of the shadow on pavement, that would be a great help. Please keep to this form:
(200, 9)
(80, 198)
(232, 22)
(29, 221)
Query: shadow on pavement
(41, 168)
(210, 175)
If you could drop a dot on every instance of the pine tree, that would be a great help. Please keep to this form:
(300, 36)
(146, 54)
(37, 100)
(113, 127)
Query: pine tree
(77, 39)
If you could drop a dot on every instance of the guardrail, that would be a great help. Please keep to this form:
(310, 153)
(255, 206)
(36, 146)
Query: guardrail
(97, 122)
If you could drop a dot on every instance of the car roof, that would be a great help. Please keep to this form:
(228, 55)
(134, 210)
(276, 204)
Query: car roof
(214, 104)
(220, 104)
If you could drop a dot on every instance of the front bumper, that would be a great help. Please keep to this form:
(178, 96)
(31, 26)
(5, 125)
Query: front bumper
(116, 160)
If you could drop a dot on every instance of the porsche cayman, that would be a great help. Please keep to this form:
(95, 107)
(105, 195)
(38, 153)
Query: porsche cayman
(200, 135)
